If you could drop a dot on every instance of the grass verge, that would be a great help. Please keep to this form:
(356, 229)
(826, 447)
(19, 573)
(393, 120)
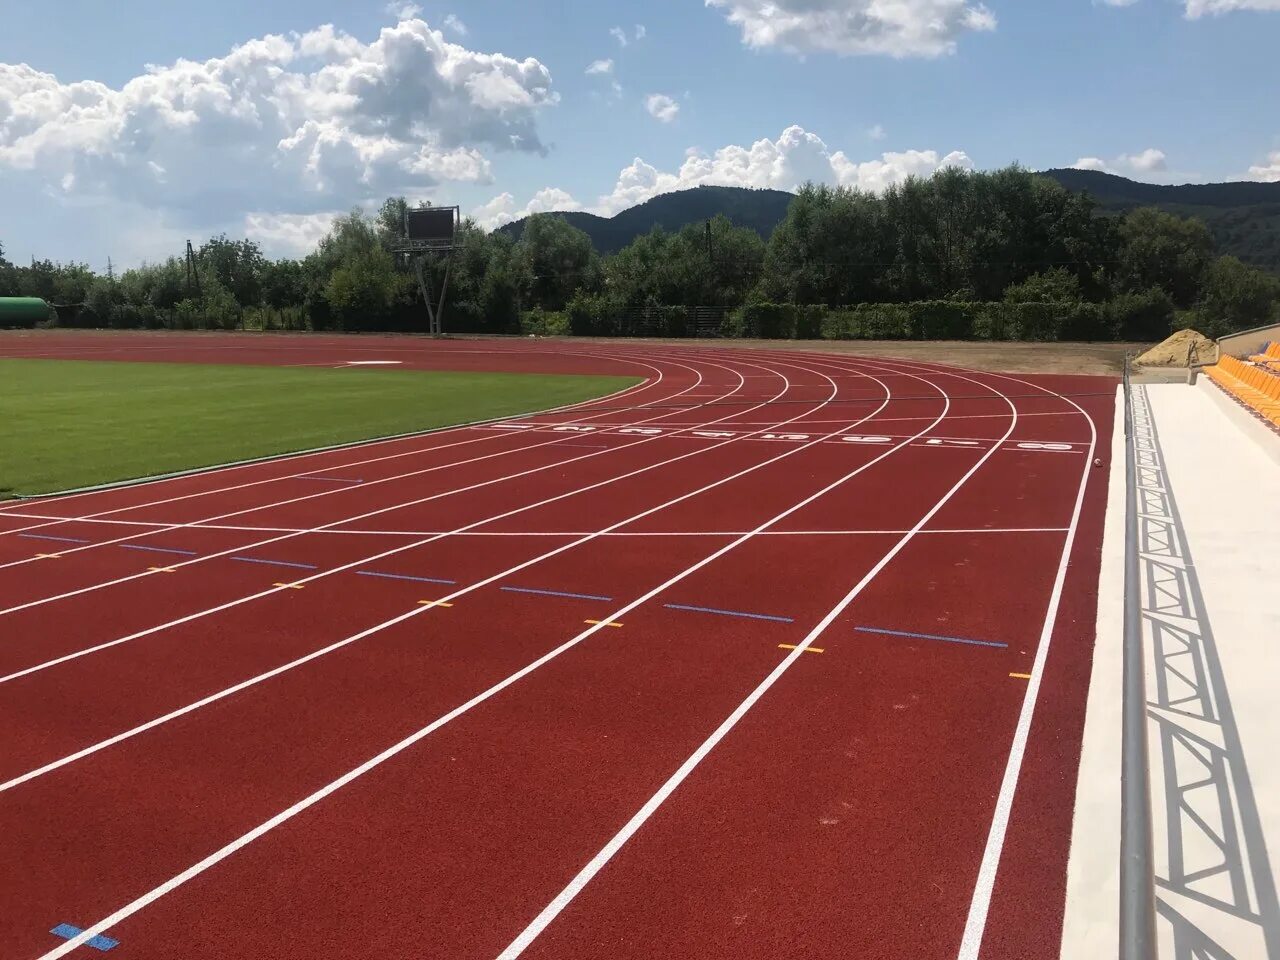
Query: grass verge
(72, 423)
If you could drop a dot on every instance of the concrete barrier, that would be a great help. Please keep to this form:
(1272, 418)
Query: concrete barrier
(1245, 343)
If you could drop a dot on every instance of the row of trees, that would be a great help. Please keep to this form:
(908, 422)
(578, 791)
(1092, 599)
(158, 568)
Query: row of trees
(958, 237)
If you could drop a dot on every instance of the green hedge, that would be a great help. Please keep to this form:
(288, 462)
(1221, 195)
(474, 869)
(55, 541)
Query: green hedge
(545, 323)
(1136, 316)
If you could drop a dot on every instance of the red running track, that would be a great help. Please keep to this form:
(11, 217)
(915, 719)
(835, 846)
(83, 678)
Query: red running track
(775, 655)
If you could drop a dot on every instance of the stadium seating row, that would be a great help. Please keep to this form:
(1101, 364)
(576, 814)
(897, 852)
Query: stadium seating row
(1251, 385)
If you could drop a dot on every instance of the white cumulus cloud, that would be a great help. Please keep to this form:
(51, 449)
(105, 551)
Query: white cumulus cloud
(1200, 8)
(503, 208)
(294, 124)
(661, 107)
(795, 157)
(1150, 160)
(898, 28)
(1267, 171)
(457, 26)
(599, 67)
(295, 234)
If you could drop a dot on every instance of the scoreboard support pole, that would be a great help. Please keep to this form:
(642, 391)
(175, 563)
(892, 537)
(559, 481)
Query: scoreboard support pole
(435, 311)
(428, 232)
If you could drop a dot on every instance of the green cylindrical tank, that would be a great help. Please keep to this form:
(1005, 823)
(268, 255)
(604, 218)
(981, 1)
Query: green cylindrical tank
(23, 311)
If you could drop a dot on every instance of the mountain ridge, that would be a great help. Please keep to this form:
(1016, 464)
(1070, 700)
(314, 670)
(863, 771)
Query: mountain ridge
(1243, 216)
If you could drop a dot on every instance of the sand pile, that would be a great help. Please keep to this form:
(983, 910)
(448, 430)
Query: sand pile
(1173, 352)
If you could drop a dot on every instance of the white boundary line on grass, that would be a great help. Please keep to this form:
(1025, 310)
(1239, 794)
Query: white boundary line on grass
(462, 428)
(60, 495)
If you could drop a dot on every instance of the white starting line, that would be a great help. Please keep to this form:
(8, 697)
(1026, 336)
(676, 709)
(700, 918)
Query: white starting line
(1038, 446)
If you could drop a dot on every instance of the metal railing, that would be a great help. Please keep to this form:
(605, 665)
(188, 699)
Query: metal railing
(1137, 871)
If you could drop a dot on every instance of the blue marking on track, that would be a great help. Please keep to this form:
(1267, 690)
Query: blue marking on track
(277, 563)
(331, 479)
(932, 636)
(140, 546)
(403, 576)
(729, 613)
(69, 931)
(45, 536)
(557, 593)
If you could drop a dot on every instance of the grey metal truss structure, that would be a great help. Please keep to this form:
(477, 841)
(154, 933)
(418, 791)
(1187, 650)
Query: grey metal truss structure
(1217, 900)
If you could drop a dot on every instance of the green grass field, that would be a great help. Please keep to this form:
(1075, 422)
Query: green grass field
(71, 423)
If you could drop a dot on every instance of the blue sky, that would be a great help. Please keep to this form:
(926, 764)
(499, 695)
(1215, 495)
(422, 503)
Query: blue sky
(490, 105)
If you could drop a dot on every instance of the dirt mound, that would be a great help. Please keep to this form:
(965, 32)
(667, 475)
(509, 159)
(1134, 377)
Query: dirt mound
(1173, 352)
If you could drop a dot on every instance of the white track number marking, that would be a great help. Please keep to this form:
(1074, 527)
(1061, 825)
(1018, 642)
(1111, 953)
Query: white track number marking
(880, 440)
(1055, 447)
(953, 443)
(570, 428)
(791, 437)
(644, 431)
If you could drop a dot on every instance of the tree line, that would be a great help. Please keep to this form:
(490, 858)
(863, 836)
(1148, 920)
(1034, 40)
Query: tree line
(1000, 255)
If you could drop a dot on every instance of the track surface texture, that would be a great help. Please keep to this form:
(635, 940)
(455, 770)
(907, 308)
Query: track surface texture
(773, 655)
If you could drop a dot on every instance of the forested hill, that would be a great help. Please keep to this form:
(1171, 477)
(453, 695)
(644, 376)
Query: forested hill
(758, 210)
(1243, 217)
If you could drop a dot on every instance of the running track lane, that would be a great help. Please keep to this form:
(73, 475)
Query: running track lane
(810, 573)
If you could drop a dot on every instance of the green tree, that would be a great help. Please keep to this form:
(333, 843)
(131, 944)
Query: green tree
(559, 258)
(237, 265)
(1235, 296)
(1161, 250)
(1056, 285)
(364, 290)
(8, 276)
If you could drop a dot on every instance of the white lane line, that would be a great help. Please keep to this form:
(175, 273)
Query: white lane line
(641, 387)
(221, 854)
(619, 840)
(370, 559)
(980, 904)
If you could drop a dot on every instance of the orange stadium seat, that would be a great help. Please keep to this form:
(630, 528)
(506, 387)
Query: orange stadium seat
(1269, 359)
(1250, 385)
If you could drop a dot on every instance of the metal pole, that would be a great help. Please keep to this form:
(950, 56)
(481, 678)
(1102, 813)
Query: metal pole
(444, 291)
(1137, 874)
